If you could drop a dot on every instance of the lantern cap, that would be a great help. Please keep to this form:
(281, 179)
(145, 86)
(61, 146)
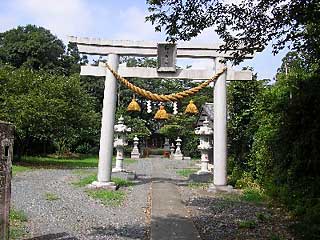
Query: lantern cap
(161, 114)
(191, 108)
(133, 106)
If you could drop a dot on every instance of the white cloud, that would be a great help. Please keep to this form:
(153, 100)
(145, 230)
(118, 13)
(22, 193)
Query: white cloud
(133, 26)
(208, 35)
(63, 18)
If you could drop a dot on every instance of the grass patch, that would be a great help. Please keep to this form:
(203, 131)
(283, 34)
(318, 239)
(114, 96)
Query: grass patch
(85, 181)
(17, 168)
(51, 196)
(18, 220)
(89, 179)
(57, 162)
(186, 172)
(253, 195)
(247, 224)
(230, 197)
(276, 237)
(52, 162)
(16, 215)
(198, 185)
(108, 198)
(122, 182)
(263, 217)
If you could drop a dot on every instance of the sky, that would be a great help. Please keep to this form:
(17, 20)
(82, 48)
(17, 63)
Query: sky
(113, 20)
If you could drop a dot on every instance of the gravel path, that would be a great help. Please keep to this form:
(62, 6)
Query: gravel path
(75, 215)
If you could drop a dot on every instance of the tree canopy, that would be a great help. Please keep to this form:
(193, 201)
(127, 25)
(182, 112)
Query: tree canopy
(47, 109)
(248, 25)
(37, 48)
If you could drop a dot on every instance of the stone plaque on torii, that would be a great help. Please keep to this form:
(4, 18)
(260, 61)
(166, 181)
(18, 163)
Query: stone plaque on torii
(113, 49)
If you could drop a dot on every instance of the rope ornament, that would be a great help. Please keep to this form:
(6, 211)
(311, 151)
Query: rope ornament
(160, 97)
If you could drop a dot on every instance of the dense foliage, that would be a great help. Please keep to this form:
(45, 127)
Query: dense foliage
(247, 25)
(243, 97)
(38, 93)
(274, 139)
(48, 111)
(36, 48)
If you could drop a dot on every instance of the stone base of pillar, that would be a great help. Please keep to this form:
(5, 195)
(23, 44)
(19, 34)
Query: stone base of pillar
(203, 172)
(177, 157)
(103, 185)
(135, 156)
(225, 188)
(117, 169)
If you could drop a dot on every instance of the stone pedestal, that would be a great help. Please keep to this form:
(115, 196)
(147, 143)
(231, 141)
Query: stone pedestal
(135, 151)
(205, 132)
(120, 141)
(105, 185)
(224, 188)
(6, 154)
(166, 145)
(178, 154)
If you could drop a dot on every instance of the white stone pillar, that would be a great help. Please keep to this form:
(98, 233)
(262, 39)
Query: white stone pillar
(220, 131)
(107, 124)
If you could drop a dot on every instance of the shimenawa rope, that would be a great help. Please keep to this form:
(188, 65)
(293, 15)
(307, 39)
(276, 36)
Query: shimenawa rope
(164, 98)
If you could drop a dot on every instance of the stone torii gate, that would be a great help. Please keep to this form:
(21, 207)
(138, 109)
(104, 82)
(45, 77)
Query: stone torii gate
(114, 49)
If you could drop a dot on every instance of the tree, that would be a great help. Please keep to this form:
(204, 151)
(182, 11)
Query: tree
(182, 125)
(243, 97)
(248, 25)
(284, 156)
(47, 110)
(36, 48)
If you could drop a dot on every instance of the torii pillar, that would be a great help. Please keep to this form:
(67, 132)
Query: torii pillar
(220, 131)
(107, 127)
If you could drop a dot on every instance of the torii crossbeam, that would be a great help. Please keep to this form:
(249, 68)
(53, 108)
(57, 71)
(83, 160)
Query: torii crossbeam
(114, 49)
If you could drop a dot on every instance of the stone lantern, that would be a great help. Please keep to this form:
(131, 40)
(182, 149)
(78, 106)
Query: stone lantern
(120, 141)
(178, 154)
(135, 151)
(205, 132)
(172, 148)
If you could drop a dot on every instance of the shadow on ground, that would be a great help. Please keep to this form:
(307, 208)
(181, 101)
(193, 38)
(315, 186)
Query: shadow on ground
(55, 236)
(128, 231)
(226, 218)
